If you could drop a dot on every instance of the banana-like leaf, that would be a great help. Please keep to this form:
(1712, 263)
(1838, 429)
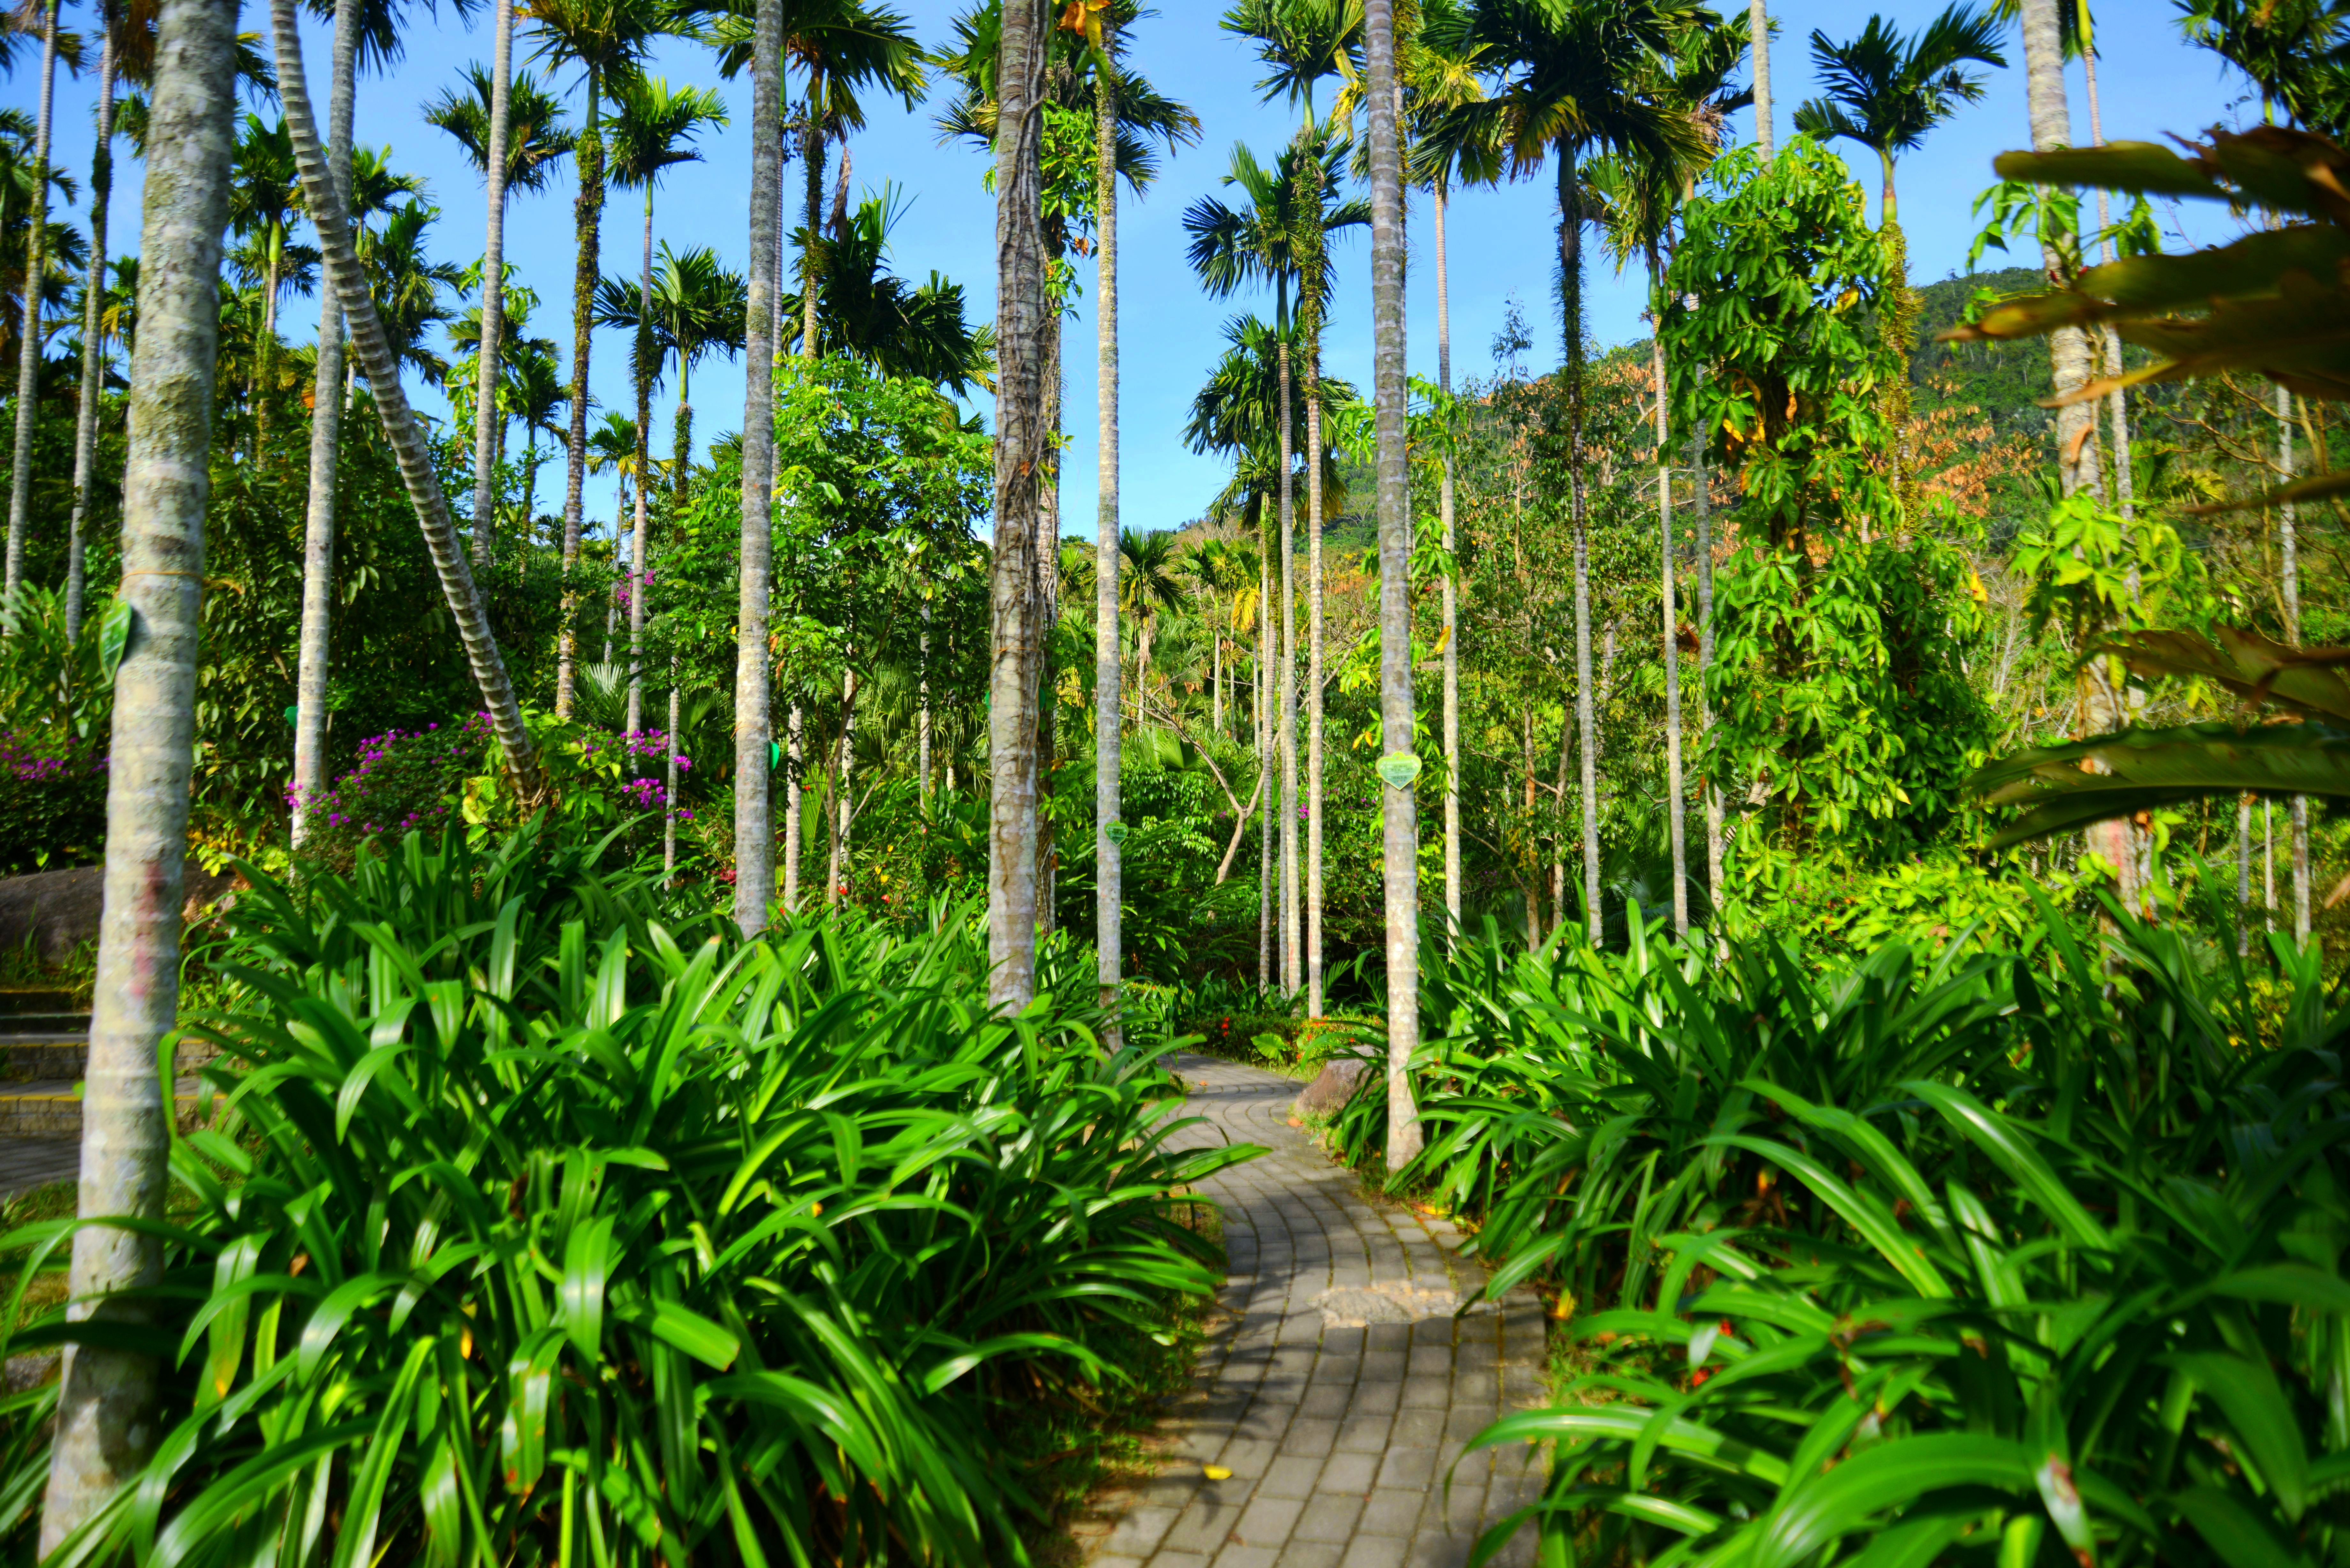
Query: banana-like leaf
(2307, 680)
(2149, 769)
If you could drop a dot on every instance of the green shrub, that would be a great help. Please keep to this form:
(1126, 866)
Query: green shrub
(547, 1226)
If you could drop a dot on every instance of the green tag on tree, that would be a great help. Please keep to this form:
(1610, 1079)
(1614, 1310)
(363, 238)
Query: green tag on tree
(1115, 833)
(1398, 769)
(775, 756)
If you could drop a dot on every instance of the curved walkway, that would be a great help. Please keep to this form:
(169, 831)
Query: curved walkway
(1337, 1386)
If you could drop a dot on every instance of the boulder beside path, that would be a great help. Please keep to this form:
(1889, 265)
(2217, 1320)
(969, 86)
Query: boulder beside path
(56, 912)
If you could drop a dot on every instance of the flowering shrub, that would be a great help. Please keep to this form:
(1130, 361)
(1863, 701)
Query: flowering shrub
(57, 801)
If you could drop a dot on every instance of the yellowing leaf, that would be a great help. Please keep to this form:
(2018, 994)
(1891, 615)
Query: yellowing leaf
(1216, 1472)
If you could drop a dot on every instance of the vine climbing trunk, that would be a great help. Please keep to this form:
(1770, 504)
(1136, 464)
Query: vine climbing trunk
(587, 218)
(106, 1423)
(311, 667)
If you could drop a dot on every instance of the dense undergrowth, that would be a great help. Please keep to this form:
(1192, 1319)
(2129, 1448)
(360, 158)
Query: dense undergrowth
(550, 1223)
(2029, 1256)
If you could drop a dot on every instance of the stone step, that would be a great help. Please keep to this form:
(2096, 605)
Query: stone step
(43, 1027)
(51, 1107)
(16, 1003)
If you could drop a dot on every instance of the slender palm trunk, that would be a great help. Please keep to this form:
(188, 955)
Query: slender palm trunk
(922, 711)
(93, 333)
(1399, 823)
(28, 355)
(374, 356)
(812, 163)
(1313, 671)
(639, 557)
(2289, 549)
(105, 1424)
(1444, 503)
(669, 799)
(619, 568)
(2068, 358)
(2116, 401)
(680, 427)
(1267, 871)
(1570, 261)
(794, 806)
(1216, 683)
(754, 837)
(1702, 492)
(493, 296)
(326, 443)
(265, 358)
(1015, 629)
(2243, 875)
(1048, 615)
(1287, 696)
(1109, 942)
(588, 222)
(844, 792)
(1759, 17)
(1676, 821)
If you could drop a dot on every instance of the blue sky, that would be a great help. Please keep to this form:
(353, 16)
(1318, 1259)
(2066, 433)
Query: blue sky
(1502, 242)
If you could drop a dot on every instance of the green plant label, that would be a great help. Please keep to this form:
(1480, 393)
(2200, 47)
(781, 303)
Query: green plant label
(1115, 833)
(1399, 769)
(775, 756)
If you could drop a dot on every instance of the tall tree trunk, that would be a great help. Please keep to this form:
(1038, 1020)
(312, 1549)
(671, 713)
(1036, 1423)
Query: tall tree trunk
(619, 568)
(669, 799)
(795, 804)
(326, 445)
(1285, 697)
(1570, 262)
(1109, 942)
(639, 555)
(1399, 823)
(105, 1419)
(1313, 673)
(1015, 630)
(755, 836)
(93, 332)
(1677, 822)
(1444, 503)
(922, 711)
(2068, 358)
(1759, 20)
(2243, 875)
(844, 792)
(265, 358)
(374, 356)
(587, 222)
(29, 357)
(1048, 614)
(2116, 401)
(486, 422)
(2289, 550)
(1268, 870)
(1702, 488)
(812, 161)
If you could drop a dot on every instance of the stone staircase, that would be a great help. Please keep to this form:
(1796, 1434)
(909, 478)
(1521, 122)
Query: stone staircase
(44, 1056)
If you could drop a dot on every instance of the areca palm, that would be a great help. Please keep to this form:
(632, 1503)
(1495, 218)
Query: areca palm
(264, 196)
(607, 41)
(36, 274)
(1277, 238)
(612, 447)
(93, 299)
(1575, 77)
(913, 330)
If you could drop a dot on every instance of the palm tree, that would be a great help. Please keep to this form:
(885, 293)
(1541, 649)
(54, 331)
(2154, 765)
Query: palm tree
(29, 351)
(512, 130)
(607, 40)
(915, 331)
(93, 297)
(1015, 629)
(533, 390)
(1886, 92)
(1110, 867)
(264, 198)
(754, 837)
(1445, 79)
(1575, 77)
(1400, 838)
(653, 128)
(408, 285)
(1231, 246)
(106, 1426)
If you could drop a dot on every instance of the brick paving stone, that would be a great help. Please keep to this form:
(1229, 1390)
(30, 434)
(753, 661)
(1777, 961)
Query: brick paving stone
(1341, 1441)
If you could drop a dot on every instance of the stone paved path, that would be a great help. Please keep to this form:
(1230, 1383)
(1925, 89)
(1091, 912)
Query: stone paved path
(1339, 1439)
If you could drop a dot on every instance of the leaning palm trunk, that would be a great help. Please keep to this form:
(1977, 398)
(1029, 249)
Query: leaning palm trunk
(754, 837)
(28, 358)
(1570, 259)
(1451, 593)
(93, 301)
(106, 1420)
(589, 222)
(1109, 946)
(1020, 458)
(376, 360)
(326, 438)
(493, 296)
(1400, 826)
(1676, 821)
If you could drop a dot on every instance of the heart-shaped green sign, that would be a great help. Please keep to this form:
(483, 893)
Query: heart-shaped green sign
(1115, 833)
(1399, 769)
